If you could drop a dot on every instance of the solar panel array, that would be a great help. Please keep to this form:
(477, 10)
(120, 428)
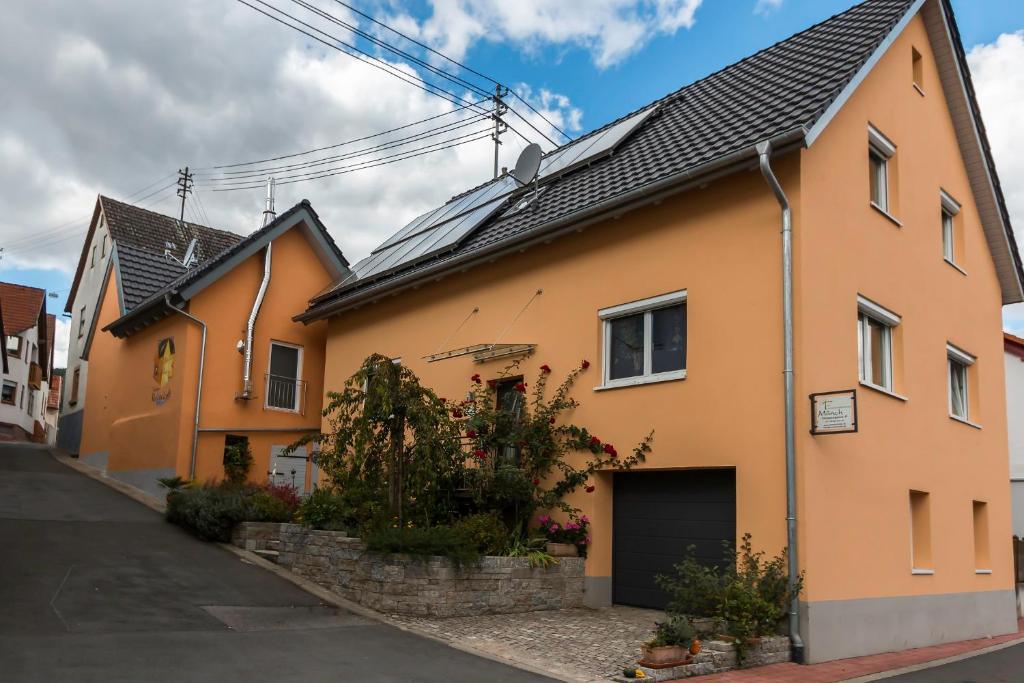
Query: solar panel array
(445, 227)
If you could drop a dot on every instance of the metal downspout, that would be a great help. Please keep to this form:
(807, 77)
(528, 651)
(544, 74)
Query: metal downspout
(251, 325)
(199, 387)
(764, 157)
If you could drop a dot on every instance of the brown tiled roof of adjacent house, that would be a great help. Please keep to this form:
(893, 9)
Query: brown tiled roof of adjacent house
(51, 334)
(53, 399)
(22, 305)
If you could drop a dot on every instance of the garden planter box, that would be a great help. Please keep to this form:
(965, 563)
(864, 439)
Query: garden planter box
(429, 587)
(664, 656)
(562, 550)
(717, 656)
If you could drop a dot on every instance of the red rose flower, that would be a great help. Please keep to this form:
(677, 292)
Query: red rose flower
(520, 387)
(545, 368)
(476, 379)
(594, 442)
(443, 400)
(522, 444)
(471, 434)
(610, 450)
(492, 383)
(590, 489)
(552, 420)
(536, 482)
(479, 454)
(585, 364)
(456, 413)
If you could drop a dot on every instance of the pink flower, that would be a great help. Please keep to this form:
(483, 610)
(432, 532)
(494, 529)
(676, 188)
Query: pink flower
(543, 519)
(586, 541)
(583, 519)
(545, 368)
(554, 526)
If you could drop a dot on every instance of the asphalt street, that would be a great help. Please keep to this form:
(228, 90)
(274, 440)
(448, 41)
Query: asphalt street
(1001, 666)
(96, 587)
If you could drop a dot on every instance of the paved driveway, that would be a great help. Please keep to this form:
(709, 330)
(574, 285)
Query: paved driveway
(96, 587)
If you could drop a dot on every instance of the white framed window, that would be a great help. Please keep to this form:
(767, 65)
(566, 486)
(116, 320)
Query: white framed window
(284, 386)
(14, 345)
(10, 390)
(880, 151)
(957, 363)
(103, 250)
(81, 322)
(92, 261)
(644, 341)
(949, 208)
(874, 343)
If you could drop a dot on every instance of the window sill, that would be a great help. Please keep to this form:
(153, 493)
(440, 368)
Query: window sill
(885, 213)
(638, 381)
(983, 571)
(958, 268)
(883, 390)
(964, 421)
(922, 572)
(919, 90)
(281, 410)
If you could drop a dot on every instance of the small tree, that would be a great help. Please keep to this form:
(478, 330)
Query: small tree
(237, 462)
(391, 439)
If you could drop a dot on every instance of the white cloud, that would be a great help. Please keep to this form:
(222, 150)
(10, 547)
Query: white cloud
(61, 335)
(766, 7)
(109, 110)
(610, 29)
(999, 83)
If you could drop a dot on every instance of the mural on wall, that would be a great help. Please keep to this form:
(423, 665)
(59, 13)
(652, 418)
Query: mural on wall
(163, 369)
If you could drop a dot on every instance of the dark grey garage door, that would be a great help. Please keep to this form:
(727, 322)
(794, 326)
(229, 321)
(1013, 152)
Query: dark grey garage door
(656, 516)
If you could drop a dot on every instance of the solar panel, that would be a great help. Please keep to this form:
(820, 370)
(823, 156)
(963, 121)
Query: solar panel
(443, 228)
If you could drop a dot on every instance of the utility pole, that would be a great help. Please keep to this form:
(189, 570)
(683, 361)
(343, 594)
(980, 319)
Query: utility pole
(184, 187)
(499, 125)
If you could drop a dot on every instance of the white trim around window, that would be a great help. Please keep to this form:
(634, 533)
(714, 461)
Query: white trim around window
(647, 307)
(958, 363)
(950, 208)
(882, 144)
(279, 388)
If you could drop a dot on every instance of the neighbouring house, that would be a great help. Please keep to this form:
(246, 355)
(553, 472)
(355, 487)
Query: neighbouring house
(161, 238)
(53, 408)
(28, 343)
(1013, 356)
(651, 247)
(187, 362)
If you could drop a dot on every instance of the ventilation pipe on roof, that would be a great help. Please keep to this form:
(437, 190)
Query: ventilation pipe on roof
(268, 217)
(764, 150)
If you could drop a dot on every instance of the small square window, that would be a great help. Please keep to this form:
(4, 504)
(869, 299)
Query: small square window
(10, 391)
(958, 362)
(645, 341)
(875, 343)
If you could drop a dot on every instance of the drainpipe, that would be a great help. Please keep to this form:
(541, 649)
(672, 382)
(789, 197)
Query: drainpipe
(251, 325)
(764, 154)
(199, 386)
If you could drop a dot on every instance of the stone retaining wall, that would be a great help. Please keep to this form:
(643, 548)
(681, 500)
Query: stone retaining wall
(400, 584)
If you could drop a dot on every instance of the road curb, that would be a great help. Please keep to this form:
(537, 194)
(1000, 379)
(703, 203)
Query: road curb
(923, 666)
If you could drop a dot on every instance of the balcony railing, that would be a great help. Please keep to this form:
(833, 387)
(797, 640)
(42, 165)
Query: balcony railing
(285, 393)
(35, 375)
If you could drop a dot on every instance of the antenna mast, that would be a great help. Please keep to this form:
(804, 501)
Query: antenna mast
(184, 187)
(499, 125)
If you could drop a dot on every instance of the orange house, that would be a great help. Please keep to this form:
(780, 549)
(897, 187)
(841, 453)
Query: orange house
(652, 248)
(194, 358)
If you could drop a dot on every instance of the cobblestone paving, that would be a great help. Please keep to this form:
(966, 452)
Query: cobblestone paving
(579, 644)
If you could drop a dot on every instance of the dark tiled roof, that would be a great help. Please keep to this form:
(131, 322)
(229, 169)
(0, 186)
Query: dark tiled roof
(22, 306)
(143, 273)
(152, 231)
(784, 88)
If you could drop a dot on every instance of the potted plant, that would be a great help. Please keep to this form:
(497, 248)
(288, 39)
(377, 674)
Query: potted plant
(670, 645)
(568, 540)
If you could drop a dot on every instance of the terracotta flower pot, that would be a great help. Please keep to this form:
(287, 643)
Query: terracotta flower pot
(562, 550)
(664, 654)
(695, 647)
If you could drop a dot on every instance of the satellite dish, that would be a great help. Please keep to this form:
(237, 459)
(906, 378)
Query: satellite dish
(528, 164)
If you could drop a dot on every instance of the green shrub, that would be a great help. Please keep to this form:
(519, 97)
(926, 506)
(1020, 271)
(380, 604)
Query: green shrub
(424, 543)
(237, 463)
(675, 630)
(325, 509)
(210, 512)
(484, 531)
(695, 589)
(263, 506)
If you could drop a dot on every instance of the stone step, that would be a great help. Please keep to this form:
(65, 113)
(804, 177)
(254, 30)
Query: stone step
(274, 544)
(271, 555)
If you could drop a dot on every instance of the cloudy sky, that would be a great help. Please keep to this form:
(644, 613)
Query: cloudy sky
(113, 96)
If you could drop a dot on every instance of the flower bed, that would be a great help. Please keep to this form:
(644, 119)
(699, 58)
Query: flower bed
(717, 656)
(428, 587)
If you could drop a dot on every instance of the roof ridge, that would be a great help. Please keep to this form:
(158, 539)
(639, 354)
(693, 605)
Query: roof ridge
(136, 207)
